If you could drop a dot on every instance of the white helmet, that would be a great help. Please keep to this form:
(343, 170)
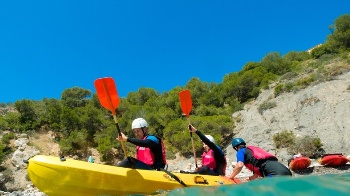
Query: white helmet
(210, 138)
(139, 123)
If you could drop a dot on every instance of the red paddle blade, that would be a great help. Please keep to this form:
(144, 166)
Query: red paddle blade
(186, 102)
(107, 93)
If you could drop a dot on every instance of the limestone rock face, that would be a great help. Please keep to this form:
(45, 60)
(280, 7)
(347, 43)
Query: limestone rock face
(320, 110)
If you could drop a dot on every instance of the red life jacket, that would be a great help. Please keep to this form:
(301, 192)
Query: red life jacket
(208, 159)
(253, 169)
(145, 154)
(258, 154)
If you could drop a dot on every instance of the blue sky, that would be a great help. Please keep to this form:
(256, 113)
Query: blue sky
(49, 46)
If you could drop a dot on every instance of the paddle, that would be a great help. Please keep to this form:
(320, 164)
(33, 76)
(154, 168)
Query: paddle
(186, 107)
(109, 99)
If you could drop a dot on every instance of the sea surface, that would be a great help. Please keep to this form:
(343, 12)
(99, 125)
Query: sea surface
(328, 184)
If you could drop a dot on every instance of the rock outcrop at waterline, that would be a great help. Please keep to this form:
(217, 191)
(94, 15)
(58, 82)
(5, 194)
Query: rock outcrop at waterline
(18, 183)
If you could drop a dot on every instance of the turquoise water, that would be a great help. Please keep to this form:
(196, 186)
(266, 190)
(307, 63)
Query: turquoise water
(329, 184)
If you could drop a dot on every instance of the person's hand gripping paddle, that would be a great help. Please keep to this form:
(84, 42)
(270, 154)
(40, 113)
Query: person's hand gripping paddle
(186, 107)
(107, 94)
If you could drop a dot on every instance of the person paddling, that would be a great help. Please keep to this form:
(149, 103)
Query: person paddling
(257, 160)
(213, 158)
(150, 150)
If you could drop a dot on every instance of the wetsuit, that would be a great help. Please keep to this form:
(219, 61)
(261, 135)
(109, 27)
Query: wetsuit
(266, 167)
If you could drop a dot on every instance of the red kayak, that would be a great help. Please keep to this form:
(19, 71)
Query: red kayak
(333, 160)
(299, 163)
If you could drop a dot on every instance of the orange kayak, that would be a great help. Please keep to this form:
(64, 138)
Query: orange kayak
(300, 163)
(333, 160)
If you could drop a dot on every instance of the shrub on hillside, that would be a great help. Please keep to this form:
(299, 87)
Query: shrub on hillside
(288, 76)
(307, 146)
(287, 87)
(305, 81)
(265, 106)
(4, 145)
(74, 144)
(2, 152)
(7, 137)
(279, 89)
(284, 139)
(337, 70)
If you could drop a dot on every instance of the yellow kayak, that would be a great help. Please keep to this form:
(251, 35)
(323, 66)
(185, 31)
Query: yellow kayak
(64, 176)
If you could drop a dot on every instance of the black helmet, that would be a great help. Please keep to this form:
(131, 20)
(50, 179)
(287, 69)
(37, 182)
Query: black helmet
(237, 141)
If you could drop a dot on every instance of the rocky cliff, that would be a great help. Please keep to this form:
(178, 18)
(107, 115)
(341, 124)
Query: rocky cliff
(320, 110)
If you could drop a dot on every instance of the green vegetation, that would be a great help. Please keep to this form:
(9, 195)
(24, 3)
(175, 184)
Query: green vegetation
(337, 42)
(265, 106)
(284, 139)
(4, 145)
(79, 122)
(307, 146)
(7, 137)
(2, 152)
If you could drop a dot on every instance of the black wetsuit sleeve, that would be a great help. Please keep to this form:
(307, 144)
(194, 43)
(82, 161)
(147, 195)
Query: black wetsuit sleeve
(206, 140)
(143, 143)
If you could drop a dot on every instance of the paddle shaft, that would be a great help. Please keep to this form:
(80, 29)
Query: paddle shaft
(194, 151)
(119, 133)
(174, 177)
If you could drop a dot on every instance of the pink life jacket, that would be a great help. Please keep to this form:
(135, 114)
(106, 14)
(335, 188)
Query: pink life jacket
(208, 159)
(258, 154)
(145, 154)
